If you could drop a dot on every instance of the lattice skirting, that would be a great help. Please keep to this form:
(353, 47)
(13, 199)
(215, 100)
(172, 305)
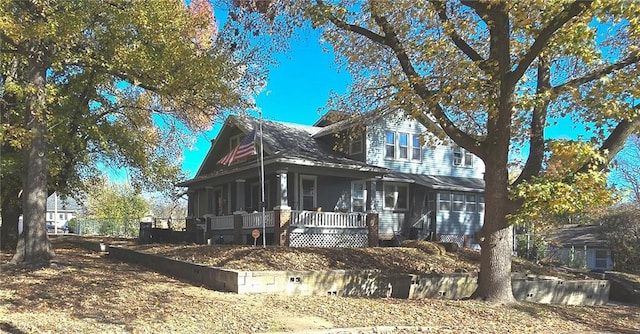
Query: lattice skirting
(328, 240)
(454, 238)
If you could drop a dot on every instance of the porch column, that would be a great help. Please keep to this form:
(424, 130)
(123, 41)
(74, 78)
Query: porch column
(372, 196)
(282, 200)
(239, 196)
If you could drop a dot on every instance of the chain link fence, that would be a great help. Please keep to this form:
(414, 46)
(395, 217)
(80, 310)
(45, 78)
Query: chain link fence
(115, 227)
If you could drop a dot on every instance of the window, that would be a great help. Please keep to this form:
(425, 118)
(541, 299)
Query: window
(458, 202)
(396, 196)
(444, 200)
(403, 145)
(602, 257)
(462, 157)
(358, 196)
(416, 148)
(308, 192)
(390, 145)
(355, 145)
(61, 216)
(481, 203)
(470, 203)
(234, 141)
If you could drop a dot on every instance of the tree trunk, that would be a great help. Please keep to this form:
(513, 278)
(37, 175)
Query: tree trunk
(33, 245)
(494, 281)
(11, 210)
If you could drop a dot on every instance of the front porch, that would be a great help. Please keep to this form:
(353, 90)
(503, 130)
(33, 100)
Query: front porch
(286, 227)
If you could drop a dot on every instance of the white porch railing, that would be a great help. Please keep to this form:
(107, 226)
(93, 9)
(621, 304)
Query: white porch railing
(329, 219)
(254, 220)
(222, 222)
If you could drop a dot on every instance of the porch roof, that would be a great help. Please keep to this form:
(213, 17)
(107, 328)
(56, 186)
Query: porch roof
(439, 182)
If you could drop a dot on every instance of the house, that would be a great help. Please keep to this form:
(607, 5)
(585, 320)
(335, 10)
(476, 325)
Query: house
(342, 166)
(580, 246)
(59, 212)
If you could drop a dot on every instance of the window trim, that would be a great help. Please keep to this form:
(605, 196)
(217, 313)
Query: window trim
(401, 147)
(234, 141)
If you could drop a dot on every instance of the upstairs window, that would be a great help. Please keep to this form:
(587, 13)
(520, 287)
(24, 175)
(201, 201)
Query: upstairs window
(403, 145)
(390, 145)
(462, 157)
(234, 141)
(416, 148)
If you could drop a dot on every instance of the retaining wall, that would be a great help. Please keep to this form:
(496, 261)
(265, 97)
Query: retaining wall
(366, 283)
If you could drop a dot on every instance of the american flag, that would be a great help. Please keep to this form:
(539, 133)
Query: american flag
(245, 148)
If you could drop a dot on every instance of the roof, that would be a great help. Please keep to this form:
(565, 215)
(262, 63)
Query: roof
(288, 143)
(578, 235)
(439, 182)
(64, 204)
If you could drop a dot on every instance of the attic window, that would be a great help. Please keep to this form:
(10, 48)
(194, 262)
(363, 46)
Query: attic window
(234, 141)
(355, 145)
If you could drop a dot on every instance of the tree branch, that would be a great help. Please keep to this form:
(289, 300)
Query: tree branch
(614, 143)
(455, 37)
(392, 41)
(351, 27)
(574, 9)
(597, 74)
(533, 165)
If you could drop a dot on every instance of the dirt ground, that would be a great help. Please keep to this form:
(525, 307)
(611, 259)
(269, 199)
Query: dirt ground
(88, 292)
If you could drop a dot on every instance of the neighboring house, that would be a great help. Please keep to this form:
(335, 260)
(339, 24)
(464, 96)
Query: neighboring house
(60, 211)
(580, 246)
(374, 165)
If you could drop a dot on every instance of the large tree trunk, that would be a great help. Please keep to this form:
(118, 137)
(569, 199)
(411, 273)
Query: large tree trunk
(496, 241)
(34, 246)
(11, 210)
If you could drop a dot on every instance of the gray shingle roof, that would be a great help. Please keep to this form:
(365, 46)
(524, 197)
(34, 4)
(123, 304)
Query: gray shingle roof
(578, 235)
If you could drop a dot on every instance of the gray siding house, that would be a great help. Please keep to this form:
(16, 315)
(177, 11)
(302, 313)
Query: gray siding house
(342, 166)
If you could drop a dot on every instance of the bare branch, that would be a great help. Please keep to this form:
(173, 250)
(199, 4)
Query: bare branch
(574, 9)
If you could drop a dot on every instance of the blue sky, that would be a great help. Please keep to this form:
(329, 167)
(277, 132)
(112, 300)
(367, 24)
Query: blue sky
(297, 88)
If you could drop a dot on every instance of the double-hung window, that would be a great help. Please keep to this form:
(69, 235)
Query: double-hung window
(462, 157)
(396, 196)
(358, 196)
(403, 145)
(416, 147)
(308, 192)
(390, 145)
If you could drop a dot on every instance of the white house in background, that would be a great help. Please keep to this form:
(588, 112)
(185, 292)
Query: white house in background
(59, 212)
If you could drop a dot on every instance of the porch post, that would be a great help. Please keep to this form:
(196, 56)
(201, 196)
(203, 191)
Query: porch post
(282, 212)
(372, 227)
(372, 196)
(282, 199)
(239, 196)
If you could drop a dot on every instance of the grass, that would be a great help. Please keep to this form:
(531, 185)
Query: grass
(87, 292)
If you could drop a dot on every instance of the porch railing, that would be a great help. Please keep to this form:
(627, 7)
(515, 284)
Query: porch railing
(222, 222)
(254, 220)
(328, 219)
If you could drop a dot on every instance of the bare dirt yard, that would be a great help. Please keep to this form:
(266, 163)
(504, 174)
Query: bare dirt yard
(86, 292)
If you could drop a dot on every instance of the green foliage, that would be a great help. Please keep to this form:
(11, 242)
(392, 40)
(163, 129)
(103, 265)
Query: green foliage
(115, 201)
(621, 227)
